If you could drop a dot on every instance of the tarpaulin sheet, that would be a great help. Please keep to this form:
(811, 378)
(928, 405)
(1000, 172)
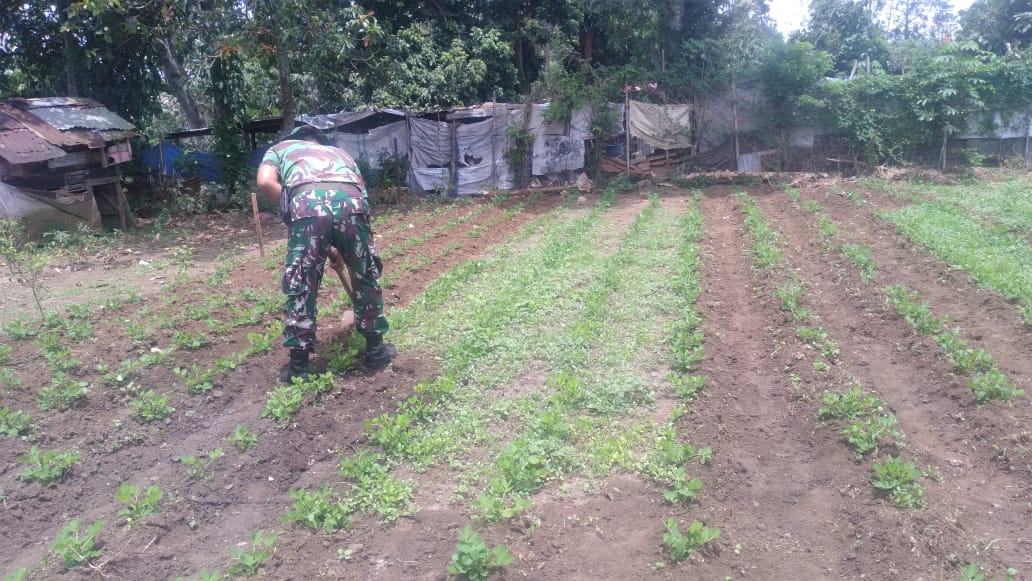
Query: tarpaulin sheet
(429, 179)
(481, 146)
(172, 160)
(431, 143)
(379, 143)
(579, 125)
(661, 126)
(41, 211)
(557, 153)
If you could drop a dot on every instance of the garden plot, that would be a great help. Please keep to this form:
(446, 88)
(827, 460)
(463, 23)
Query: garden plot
(660, 384)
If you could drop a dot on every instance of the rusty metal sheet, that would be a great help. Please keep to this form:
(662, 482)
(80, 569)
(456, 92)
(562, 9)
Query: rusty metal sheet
(23, 146)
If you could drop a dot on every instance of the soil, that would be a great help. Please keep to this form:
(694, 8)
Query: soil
(790, 498)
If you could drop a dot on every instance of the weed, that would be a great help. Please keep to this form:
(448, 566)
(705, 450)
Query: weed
(14, 423)
(25, 264)
(793, 194)
(78, 329)
(917, 315)
(260, 343)
(899, 479)
(693, 539)
(242, 438)
(864, 436)
(527, 462)
(46, 467)
(21, 574)
(318, 511)
(8, 379)
(850, 405)
(812, 206)
(199, 468)
(139, 503)
(229, 362)
(766, 241)
(500, 502)
(316, 385)
(283, 403)
(341, 358)
(474, 559)
(263, 545)
(826, 227)
(818, 338)
(374, 490)
(150, 406)
(76, 548)
(63, 393)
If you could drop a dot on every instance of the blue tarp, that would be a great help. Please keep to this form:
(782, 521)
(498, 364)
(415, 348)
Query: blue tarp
(181, 162)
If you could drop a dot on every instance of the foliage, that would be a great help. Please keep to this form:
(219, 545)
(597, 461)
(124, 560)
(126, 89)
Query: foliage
(682, 545)
(263, 545)
(150, 406)
(242, 438)
(850, 405)
(283, 403)
(374, 490)
(139, 503)
(76, 547)
(898, 480)
(318, 511)
(14, 423)
(46, 467)
(63, 393)
(199, 468)
(865, 435)
(24, 262)
(474, 559)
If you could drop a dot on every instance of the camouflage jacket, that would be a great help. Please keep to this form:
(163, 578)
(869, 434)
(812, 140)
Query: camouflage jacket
(301, 162)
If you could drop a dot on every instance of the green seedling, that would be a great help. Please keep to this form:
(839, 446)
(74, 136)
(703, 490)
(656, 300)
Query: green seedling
(21, 574)
(263, 545)
(78, 329)
(204, 575)
(21, 328)
(189, 340)
(500, 503)
(8, 379)
(474, 559)
(260, 343)
(46, 467)
(242, 438)
(972, 572)
(898, 480)
(316, 385)
(14, 424)
(860, 255)
(918, 315)
(198, 380)
(826, 227)
(199, 468)
(139, 503)
(283, 403)
(75, 547)
(150, 406)
(684, 490)
(63, 393)
(850, 405)
(992, 385)
(342, 358)
(5, 354)
(864, 436)
(693, 539)
(318, 511)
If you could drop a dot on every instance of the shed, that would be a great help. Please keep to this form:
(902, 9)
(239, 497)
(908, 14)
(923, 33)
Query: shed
(59, 160)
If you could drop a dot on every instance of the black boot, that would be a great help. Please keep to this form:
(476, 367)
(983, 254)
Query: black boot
(298, 367)
(378, 354)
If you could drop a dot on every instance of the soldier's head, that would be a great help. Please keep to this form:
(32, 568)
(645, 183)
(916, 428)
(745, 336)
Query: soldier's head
(310, 134)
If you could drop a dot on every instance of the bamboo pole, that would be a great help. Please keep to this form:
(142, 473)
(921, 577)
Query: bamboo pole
(257, 224)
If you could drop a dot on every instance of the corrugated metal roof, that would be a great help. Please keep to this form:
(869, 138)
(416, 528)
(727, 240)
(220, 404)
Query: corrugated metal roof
(81, 118)
(23, 146)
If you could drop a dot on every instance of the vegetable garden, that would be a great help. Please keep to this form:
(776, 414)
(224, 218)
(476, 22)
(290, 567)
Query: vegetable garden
(817, 380)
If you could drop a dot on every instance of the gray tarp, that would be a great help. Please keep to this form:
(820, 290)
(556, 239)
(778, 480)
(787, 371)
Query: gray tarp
(661, 126)
(42, 211)
(386, 140)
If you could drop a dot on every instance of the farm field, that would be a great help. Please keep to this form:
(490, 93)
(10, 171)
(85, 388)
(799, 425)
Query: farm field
(818, 380)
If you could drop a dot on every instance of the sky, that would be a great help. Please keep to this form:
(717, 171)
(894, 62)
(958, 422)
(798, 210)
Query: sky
(790, 15)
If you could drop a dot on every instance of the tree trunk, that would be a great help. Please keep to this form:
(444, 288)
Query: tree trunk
(175, 81)
(587, 44)
(70, 52)
(286, 93)
(518, 52)
(942, 155)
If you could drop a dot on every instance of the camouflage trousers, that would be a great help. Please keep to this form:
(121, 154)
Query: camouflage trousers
(307, 248)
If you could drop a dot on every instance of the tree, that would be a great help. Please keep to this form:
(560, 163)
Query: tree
(847, 30)
(999, 26)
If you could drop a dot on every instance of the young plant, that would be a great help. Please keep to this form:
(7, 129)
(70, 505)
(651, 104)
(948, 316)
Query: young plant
(374, 490)
(198, 468)
(138, 503)
(5, 354)
(21, 328)
(242, 438)
(860, 255)
(8, 379)
(46, 467)
(75, 547)
(283, 403)
(198, 379)
(189, 340)
(204, 575)
(864, 436)
(993, 384)
(693, 539)
(14, 423)
(898, 479)
(150, 406)
(850, 405)
(684, 490)
(263, 545)
(318, 511)
(474, 559)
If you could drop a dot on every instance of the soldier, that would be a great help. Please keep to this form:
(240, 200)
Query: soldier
(326, 210)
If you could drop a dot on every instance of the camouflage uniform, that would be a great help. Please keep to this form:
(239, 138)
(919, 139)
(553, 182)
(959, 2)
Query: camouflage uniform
(329, 206)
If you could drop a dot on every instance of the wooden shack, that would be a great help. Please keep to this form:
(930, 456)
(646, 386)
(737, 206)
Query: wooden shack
(59, 161)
